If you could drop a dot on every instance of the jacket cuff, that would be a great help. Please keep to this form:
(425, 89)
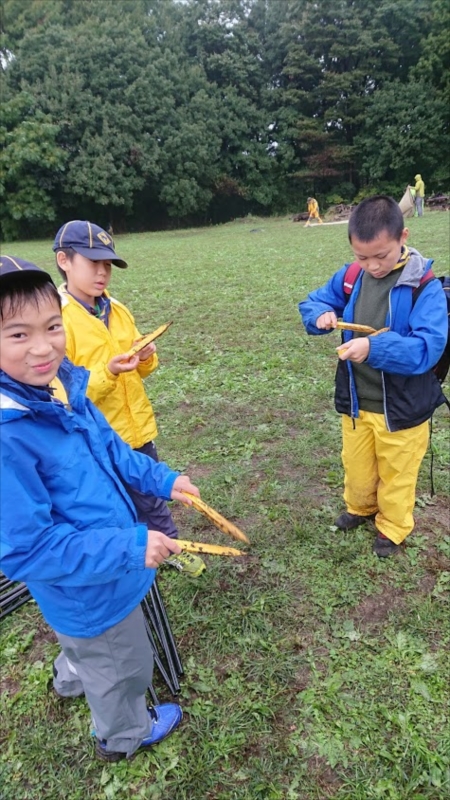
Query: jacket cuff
(167, 486)
(110, 375)
(137, 558)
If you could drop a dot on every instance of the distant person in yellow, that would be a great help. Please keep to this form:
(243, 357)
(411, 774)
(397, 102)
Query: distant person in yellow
(313, 211)
(419, 190)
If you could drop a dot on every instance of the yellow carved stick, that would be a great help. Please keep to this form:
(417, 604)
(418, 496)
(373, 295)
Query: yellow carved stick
(217, 519)
(352, 326)
(147, 339)
(211, 549)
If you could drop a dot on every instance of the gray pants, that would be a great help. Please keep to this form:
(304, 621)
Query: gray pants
(113, 670)
(419, 206)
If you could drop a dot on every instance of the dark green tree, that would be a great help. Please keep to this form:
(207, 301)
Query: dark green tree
(30, 166)
(340, 53)
(413, 140)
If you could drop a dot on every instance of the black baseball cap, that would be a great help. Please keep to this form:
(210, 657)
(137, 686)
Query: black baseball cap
(11, 266)
(88, 240)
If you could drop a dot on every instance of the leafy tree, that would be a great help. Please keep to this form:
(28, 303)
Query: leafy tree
(30, 165)
(434, 61)
(341, 52)
(413, 139)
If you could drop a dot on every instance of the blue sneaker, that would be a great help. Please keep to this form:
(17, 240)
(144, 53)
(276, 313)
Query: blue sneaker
(165, 718)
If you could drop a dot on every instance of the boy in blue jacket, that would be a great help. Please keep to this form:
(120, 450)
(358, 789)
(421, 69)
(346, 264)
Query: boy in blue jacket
(69, 529)
(385, 389)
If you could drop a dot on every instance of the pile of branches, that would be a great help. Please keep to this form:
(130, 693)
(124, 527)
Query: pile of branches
(438, 202)
(301, 217)
(341, 211)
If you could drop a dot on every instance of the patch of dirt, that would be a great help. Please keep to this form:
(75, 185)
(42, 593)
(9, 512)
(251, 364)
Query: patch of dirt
(326, 778)
(427, 583)
(375, 609)
(301, 679)
(43, 636)
(433, 520)
(9, 685)
(436, 562)
(200, 471)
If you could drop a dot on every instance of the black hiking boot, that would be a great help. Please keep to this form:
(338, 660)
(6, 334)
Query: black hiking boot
(347, 521)
(384, 547)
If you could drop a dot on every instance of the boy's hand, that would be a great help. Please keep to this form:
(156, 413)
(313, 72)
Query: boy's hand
(159, 547)
(123, 363)
(326, 321)
(146, 351)
(183, 484)
(356, 350)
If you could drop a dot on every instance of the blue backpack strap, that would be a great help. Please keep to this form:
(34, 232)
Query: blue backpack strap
(351, 276)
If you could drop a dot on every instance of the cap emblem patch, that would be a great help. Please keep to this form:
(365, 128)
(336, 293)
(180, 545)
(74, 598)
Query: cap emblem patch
(104, 238)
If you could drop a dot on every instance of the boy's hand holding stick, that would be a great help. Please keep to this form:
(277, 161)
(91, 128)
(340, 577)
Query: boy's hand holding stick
(141, 350)
(356, 349)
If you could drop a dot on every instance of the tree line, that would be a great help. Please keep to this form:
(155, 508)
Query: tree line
(146, 113)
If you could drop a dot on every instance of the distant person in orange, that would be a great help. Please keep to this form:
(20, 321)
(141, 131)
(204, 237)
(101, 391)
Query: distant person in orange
(313, 211)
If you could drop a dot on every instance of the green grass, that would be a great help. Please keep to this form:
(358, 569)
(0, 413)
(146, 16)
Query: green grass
(313, 669)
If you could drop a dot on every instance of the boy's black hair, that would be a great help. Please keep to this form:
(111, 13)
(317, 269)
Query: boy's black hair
(23, 288)
(69, 252)
(373, 216)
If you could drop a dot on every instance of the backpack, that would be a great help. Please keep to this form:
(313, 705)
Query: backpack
(443, 365)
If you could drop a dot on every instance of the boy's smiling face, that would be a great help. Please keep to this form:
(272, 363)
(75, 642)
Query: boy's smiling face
(379, 256)
(32, 341)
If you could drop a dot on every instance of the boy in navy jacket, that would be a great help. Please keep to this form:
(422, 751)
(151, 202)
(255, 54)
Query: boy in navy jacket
(386, 390)
(68, 527)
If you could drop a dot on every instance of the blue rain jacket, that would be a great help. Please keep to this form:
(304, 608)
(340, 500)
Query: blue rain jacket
(405, 354)
(68, 527)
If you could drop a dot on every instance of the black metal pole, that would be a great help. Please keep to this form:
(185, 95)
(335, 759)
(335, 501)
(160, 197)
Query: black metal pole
(13, 607)
(163, 614)
(9, 597)
(172, 686)
(157, 626)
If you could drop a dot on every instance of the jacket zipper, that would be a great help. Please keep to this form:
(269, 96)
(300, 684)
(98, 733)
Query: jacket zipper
(386, 417)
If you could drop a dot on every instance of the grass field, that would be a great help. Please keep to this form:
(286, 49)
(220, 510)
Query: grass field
(313, 669)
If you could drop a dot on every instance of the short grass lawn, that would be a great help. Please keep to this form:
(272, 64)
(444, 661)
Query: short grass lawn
(312, 669)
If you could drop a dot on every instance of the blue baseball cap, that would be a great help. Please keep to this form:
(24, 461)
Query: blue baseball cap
(11, 265)
(88, 240)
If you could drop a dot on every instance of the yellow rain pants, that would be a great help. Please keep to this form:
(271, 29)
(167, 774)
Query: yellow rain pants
(381, 470)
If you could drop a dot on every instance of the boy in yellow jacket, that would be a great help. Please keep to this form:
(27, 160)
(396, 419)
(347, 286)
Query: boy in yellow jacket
(99, 332)
(313, 211)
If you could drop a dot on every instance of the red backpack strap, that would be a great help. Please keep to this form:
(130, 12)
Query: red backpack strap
(426, 278)
(351, 276)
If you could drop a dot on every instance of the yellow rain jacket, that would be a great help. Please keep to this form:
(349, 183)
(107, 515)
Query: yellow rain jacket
(420, 186)
(121, 398)
(313, 208)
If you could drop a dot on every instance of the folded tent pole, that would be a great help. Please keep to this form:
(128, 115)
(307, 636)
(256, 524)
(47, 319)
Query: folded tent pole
(162, 613)
(20, 602)
(12, 595)
(158, 660)
(153, 618)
